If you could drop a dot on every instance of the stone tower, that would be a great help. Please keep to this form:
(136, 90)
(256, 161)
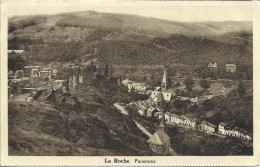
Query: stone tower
(75, 79)
(70, 80)
(119, 81)
(164, 80)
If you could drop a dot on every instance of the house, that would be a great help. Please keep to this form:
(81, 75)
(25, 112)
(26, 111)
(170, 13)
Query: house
(126, 82)
(58, 84)
(19, 74)
(167, 96)
(208, 127)
(158, 88)
(157, 100)
(142, 111)
(173, 118)
(80, 79)
(191, 99)
(214, 65)
(44, 74)
(221, 128)
(183, 98)
(158, 115)
(28, 70)
(191, 122)
(150, 112)
(207, 97)
(138, 87)
(73, 66)
(34, 71)
(159, 142)
(55, 71)
(145, 103)
(15, 53)
(248, 137)
(231, 68)
(233, 132)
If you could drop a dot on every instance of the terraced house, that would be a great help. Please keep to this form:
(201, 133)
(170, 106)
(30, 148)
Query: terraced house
(180, 120)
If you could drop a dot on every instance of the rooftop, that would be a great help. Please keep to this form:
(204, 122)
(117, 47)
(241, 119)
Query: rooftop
(231, 65)
(208, 124)
(159, 138)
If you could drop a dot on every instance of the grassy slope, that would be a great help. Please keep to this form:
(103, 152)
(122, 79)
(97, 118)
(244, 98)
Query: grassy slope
(72, 127)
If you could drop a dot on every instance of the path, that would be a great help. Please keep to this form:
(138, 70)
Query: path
(121, 108)
(143, 129)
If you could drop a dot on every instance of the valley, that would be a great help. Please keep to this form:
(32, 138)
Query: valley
(95, 84)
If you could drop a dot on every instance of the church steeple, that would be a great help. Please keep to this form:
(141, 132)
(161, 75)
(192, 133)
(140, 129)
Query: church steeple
(164, 80)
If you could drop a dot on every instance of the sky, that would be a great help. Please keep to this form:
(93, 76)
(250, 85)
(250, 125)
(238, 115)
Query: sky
(174, 11)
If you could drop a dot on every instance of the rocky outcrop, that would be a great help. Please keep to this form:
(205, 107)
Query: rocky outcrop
(47, 95)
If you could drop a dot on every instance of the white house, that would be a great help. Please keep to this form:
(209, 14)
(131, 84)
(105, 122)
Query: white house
(221, 128)
(214, 65)
(180, 120)
(208, 127)
(167, 96)
(231, 68)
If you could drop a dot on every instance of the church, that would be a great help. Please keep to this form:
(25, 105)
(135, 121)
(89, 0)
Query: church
(161, 95)
(159, 142)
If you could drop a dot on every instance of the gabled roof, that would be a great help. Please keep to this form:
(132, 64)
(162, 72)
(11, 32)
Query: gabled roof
(151, 109)
(167, 96)
(222, 124)
(184, 117)
(159, 97)
(173, 115)
(208, 124)
(230, 65)
(158, 113)
(159, 138)
(162, 124)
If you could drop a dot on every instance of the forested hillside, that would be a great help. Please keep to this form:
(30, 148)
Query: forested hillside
(132, 40)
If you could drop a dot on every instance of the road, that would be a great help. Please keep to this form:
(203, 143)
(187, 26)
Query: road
(121, 108)
(143, 129)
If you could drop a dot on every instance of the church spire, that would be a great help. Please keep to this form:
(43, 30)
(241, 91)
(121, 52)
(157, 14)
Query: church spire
(164, 80)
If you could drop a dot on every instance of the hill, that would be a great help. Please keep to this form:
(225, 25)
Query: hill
(133, 40)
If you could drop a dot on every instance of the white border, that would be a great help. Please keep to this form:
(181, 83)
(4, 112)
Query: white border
(99, 160)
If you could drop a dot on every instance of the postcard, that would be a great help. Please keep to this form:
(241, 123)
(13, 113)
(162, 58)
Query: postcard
(130, 83)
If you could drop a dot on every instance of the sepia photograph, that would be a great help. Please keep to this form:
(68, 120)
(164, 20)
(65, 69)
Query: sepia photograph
(118, 80)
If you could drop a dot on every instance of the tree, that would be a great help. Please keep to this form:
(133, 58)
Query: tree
(106, 71)
(179, 103)
(241, 89)
(208, 105)
(204, 84)
(189, 83)
(16, 63)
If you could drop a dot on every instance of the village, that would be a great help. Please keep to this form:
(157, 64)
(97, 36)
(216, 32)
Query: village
(154, 107)
(32, 79)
